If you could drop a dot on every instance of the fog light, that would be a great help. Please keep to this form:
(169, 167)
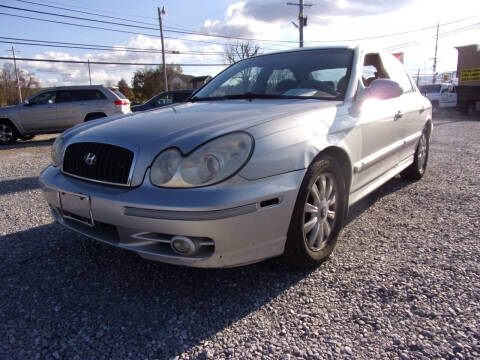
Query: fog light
(183, 245)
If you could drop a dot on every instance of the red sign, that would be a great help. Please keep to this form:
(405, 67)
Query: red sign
(399, 56)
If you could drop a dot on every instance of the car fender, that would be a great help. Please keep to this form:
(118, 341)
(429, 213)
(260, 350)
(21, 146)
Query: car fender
(289, 144)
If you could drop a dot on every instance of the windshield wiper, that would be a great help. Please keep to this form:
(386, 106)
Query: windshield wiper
(248, 95)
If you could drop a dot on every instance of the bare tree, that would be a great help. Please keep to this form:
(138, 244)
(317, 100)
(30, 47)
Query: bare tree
(240, 50)
(8, 84)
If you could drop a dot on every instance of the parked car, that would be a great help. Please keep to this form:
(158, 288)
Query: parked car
(442, 96)
(163, 99)
(56, 109)
(265, 160)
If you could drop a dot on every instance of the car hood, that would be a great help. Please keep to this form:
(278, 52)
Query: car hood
(188, 125)
(9, 108)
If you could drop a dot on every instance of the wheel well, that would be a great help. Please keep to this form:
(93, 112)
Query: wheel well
(94, 115)
(5, 120)
(344, 161)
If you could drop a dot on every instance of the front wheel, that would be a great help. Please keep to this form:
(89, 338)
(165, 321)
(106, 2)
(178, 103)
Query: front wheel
(417, 169)
(8, 133)
(318, 215)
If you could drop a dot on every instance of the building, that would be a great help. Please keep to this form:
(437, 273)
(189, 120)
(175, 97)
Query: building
(199, 81)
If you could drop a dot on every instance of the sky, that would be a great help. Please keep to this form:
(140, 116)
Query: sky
(407, 26)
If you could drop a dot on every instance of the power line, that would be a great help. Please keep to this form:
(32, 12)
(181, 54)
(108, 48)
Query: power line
(104, 62)
(143, 27)
(60, 44)
(84, 12)
(448, 33)
(118, 30)
(393, 34)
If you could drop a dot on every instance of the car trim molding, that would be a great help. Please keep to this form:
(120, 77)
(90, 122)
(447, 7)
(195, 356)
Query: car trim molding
(380, 155)
(190, 215)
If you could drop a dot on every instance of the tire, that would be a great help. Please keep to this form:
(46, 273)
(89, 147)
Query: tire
(94, 116)
(8, 133)
(315, 201)
(27, 137)
(419, 166)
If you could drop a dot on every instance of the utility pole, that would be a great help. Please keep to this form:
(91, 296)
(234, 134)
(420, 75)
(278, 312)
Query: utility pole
(418, 77)
(435, 57)
(302, 19)
(160, 13)
(16, 75)
(89, 73)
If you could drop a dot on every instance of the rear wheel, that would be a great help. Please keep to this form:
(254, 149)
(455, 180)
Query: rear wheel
(417, 169)
(318, 215)
(8, 133)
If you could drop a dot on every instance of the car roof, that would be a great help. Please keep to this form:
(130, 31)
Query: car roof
(78, 87)
(338, 46)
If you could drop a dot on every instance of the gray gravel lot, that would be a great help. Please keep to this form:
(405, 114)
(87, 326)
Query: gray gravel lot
(403, 283)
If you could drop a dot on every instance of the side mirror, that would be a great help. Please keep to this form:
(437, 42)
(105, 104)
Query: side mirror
(26, 102)
(383, 89)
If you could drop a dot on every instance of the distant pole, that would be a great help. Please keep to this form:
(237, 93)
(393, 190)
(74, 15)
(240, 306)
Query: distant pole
(435, 57)
(418, 77)
(89, 73)
(302, 19)
(160, 13)
(16, 75)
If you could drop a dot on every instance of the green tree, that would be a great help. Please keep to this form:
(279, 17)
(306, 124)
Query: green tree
(149, 81)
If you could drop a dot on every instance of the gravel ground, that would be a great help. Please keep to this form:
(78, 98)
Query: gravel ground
(403, 283)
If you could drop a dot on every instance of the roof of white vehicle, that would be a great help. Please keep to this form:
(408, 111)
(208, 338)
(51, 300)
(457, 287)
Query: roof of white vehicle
(337, 46)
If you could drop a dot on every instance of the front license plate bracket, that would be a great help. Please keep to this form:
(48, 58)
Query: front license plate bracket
(76, 207)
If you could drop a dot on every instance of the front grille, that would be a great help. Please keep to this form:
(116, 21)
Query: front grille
(109, 163)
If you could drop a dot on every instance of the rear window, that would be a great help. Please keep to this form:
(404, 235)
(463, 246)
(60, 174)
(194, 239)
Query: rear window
(92, 95)
(118, 93)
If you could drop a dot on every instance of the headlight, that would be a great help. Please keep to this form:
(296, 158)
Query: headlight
(57, 151)
(211, 163)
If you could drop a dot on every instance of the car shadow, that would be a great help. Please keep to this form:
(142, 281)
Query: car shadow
(29, 144)
(393, 185)
(18, 185)
(52, 278)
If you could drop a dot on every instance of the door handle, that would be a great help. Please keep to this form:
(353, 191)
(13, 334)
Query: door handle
(397, 116)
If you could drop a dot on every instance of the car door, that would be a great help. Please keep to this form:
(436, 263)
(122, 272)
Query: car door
(381, 136)
(40, 113)
(412, 107)
(71, 108)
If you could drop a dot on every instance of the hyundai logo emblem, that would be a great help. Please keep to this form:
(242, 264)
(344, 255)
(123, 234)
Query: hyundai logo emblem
(90, 159)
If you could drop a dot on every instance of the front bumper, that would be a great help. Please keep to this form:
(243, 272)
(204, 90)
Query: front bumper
(238, 222)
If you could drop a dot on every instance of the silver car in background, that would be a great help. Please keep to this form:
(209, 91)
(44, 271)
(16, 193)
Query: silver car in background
(264, 160)
(56, 109)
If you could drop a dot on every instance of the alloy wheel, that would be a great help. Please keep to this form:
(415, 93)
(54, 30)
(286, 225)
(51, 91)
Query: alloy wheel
(6, 133)
(320, 212)
(422, 153)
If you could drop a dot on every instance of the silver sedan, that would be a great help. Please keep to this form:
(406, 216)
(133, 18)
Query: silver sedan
(265, 160)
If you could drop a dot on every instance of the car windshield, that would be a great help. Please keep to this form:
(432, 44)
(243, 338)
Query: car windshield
(430, 88)
(317, 74)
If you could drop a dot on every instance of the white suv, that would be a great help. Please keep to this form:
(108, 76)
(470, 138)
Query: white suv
(54, 110)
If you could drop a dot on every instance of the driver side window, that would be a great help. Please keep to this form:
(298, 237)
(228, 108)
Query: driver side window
(164, 100)
(43, 99)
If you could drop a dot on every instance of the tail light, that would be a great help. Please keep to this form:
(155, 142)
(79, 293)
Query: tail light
(121, 102)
